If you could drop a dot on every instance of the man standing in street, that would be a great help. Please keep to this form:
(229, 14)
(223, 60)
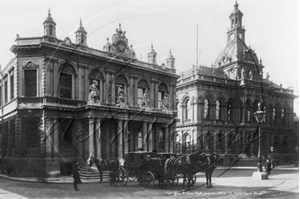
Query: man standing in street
(76, 176)
(268, 167)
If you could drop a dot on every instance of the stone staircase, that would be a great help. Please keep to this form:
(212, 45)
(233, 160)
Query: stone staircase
(91, 173)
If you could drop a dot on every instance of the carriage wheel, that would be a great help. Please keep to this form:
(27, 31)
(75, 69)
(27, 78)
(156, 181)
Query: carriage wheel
(149, 178)
(123, 176)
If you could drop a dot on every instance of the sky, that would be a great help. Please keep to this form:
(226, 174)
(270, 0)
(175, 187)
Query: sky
(272, 29)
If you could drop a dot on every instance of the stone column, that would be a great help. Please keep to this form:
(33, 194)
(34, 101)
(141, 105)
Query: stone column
(136, 104)
(150, 136)
(49, 136)
(226, 143)
(171, 138)
(131, 91)
(145, 133)
(243, 113)
(120, 139)
(126, 140)
(107, 86)
(166, 138)
(113, 88)
(215, 134)
(98, 137)
(91, 137)
(55, 137)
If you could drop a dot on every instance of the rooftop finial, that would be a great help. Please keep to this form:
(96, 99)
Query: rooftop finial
(236, 4)
(151, 45)
(119, 26)
(170, 51)
(80, 23)
(49, 13)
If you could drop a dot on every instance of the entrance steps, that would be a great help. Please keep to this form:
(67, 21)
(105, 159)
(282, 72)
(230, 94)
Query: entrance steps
(91, 173)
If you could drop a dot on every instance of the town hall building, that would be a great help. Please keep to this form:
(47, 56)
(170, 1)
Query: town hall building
(63, 101)
(216, 104)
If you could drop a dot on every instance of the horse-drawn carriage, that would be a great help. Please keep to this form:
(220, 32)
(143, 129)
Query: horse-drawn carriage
(147, 168)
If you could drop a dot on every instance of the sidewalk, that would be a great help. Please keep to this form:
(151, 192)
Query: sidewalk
(69, 179)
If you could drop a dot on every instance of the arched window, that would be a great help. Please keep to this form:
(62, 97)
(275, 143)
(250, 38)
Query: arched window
(179, 112)
(206, 109)
(177, 143)
(274, 115)
(187, 144)
(283, 116)
(248, 111)
(218, 110)
(220, 141)
(229, 111)
(66, 81)
(187, 110)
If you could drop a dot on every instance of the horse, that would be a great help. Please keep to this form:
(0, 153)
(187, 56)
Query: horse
(189, 165)
(207, 164)
(185, 165)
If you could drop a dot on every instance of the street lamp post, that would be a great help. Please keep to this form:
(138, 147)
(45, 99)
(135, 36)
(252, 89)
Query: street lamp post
(259, 116)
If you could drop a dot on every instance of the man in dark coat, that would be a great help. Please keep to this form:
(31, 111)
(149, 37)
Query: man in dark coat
(76, 176)
(268, 166)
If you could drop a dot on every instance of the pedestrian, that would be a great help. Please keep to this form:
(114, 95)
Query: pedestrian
(268, 167)
(76, 176)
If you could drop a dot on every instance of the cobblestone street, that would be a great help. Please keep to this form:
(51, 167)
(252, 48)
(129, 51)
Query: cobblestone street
(227, 184)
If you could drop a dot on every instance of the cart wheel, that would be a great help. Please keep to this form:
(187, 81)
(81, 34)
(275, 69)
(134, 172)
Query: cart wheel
(123, 176)
(149, 178)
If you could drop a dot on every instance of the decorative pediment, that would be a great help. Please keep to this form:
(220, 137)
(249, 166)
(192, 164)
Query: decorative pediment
(119, 47)
(30, 65)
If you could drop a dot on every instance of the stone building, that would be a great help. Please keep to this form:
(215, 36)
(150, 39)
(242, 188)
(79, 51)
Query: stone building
(62, 101)
(216, 104)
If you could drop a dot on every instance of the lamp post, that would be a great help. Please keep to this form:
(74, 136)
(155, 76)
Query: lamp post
(259, 116)
(272, 159)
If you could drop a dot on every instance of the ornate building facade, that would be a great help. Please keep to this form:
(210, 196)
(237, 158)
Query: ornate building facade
(63, 101)
(216, 104)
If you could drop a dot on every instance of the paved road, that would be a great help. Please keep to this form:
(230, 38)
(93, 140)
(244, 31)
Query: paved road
(227, 184)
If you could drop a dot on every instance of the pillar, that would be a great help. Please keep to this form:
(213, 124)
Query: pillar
(91, 137)
(226, 143)
(107, 85)
(136, 104)
(150, 136)
(171, 138)
(98, 138)
(126, 136)
(120, 139)
(215, 134)
(166, 138)
(48, 136)
(145, 145)
(55, 138)
(113, 88)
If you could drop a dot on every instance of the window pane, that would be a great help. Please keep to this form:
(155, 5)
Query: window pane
(12, 86)
(30, 83)
(65, 85)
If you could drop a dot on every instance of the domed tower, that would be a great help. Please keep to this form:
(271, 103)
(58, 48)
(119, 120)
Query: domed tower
(49, 26)
(81, 35)
(152, 56)
(237, 56)
(171, 61)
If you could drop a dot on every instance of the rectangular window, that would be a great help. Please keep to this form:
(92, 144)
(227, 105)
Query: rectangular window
(30, 83)
(140, 95)
(12, 86)
(160, 97)
(30, 128)
(5, 92)
(65, 85)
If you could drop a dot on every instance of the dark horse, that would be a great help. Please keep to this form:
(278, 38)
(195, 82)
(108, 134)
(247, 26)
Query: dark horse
(103, 165)
(189, 165)
(207, 164)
